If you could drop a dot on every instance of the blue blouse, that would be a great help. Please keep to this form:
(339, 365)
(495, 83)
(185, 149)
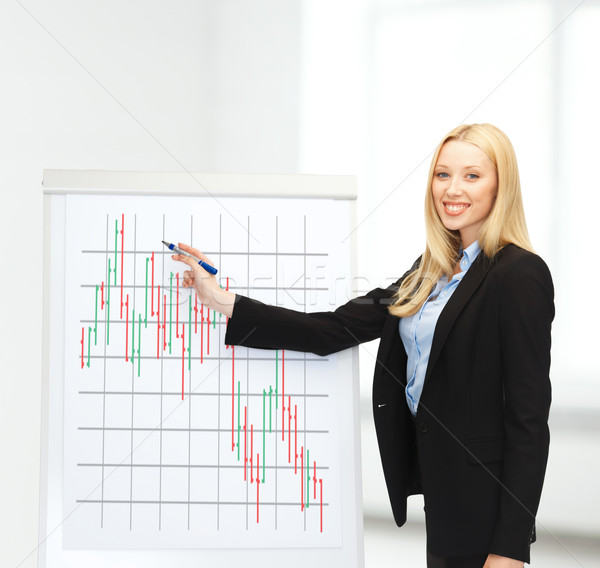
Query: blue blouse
(417, 330)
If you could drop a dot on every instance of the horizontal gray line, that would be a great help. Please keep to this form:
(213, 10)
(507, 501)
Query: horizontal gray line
(153, 322)
(158, 429)
(207, 357)
(207, 253)
(231, 288)
(222, 394)
(313, 503)
(198, 466)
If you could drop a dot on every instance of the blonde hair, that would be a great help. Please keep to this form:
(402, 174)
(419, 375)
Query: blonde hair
(504, 225)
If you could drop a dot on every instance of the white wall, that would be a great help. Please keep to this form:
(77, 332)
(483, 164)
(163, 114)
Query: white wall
(140, 85)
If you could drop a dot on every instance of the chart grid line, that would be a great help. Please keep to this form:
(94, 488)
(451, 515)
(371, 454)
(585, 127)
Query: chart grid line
(276, 353)
(200, 394)
(304, 354)
(181, 466)
(160, 429)
(244, 253)
(162, 388)
(106, 317)
(132, 358)
(219, 392)
(189, 398)
(171, 502)
(248, 366)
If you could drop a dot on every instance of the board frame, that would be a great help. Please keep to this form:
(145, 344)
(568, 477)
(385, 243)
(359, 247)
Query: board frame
(57, 184)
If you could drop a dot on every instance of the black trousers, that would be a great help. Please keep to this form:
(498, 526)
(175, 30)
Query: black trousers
(434, 561)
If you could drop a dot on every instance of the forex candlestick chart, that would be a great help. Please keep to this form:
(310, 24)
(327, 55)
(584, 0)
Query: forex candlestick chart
(173, 438)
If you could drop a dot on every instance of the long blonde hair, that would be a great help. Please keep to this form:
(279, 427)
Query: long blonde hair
(504, 225)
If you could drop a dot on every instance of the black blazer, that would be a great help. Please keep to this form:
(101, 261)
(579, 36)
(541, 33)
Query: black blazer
(482, 421)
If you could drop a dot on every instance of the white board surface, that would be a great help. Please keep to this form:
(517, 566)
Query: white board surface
(165, 445)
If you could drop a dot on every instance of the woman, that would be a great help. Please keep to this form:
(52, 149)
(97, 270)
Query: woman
(461, 390)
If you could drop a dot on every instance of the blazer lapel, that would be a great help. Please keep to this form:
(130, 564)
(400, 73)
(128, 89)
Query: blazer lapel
(456, 303)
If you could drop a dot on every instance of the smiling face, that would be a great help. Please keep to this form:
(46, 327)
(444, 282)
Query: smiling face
(464, 188)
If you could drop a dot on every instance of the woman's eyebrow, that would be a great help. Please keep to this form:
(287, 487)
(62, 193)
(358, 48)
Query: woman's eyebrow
(464, 168)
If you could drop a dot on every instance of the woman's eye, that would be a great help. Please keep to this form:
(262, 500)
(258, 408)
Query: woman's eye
(443, 175)
(472, 176)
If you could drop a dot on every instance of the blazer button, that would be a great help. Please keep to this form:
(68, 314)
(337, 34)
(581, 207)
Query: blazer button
(423, 426)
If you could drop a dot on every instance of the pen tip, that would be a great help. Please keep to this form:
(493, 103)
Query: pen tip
(165, 243)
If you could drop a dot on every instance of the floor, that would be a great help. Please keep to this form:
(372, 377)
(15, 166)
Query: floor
(387, 546)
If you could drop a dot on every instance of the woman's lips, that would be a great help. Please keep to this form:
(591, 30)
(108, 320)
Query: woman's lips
(455, 208)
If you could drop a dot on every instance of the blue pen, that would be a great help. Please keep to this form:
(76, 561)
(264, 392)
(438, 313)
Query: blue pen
(203, 264)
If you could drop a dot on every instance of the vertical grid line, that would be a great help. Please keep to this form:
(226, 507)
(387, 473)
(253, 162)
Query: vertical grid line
(189, 401)
(132, 379)
(276, 394)
(219, 393)
(248, 361)
(305, 426)
(162, 360)
(104, 388)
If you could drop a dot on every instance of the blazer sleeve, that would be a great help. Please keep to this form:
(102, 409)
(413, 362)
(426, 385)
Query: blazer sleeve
(255, 324)
(526, 314)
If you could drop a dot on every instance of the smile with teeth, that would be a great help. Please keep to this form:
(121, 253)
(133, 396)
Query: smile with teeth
(456, 207)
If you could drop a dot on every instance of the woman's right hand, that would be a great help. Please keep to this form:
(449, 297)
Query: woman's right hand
(207, 288)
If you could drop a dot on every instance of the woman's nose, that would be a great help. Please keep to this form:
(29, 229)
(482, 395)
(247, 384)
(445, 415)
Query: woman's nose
(454, 188)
